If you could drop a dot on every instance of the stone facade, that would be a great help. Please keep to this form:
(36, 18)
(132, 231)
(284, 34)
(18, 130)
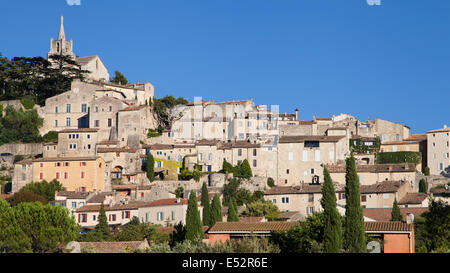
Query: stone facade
(438, 151)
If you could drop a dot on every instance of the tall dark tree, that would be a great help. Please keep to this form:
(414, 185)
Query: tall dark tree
(150, 167)
(437, 226)
(102, 228)
(396, 215)
(332, 242)
(423, 186)
(119, 78)
(178, 235)
(354, 234)
(246, 170)
(194, 227)
(216, 210)
(232, 211)
(206, 203)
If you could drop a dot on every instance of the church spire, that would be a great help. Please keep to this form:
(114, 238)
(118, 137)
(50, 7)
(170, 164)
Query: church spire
(62, 34)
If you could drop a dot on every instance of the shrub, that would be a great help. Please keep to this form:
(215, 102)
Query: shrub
(426, 171)
(51, 136)
(399, 157)
(27, 103)
(270, 182)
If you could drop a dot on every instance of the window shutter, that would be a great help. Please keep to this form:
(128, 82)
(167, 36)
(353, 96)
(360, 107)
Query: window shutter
(79, 216)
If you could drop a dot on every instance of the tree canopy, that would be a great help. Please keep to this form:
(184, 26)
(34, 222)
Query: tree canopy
(119, 78)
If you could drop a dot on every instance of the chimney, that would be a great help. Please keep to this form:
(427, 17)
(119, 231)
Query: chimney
(296, 114)
(409, 218)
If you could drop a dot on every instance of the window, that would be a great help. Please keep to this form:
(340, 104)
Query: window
(331, 156)
(291, 156)
(56, 123)
(254, 152)
(57, 175)
(67, 121)
(127, 214)
(160, 216)
(310, 210)
(74, 205)
(68, 108)
(305, 155)
(94, 217)
(274, 201)
(311, 197)
(317, 155)
(41, 176)
(312, 144)
(83, 218)
(313, 171)
(361, 178)
(96, 108)
(83, 108)
(66, 164)
(83, 175)
(56, 109)
(210, 157)
(394, 149)
(363, 198)
(199, 156)
(287, 171)
(147, 217)
(239, 152)
(109, 122)
(112, 217)
(66, 175)
(110, 108)
(441, 166)
(254, 163)
(97, 123)
(173, 215)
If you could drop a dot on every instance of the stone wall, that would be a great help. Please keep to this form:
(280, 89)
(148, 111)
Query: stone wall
(22, 149)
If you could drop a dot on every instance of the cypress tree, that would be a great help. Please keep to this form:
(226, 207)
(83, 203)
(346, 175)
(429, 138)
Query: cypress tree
(423, 186)
(395, 214)
(150, 167)
(216, 210)
(206, 217)
(332, 237)
(232, 211)
(246, 170)
(102, 228)
(194, 229)
(354, 236)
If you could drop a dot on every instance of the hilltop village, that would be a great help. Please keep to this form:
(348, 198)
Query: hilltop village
(142, 158)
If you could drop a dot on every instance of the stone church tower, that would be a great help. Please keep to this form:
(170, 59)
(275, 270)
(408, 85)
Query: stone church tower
(61, 46)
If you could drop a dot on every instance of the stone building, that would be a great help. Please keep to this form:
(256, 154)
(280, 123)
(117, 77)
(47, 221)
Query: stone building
(438, 151)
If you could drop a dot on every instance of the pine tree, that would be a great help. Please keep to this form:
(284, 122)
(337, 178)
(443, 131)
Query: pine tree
(102, 228)
(150, 167)
(354, 235)
(205, 202)
(216, 210)
(194, 228)
(396, 214)
(332, 237)
(227, 167)
(232, 211)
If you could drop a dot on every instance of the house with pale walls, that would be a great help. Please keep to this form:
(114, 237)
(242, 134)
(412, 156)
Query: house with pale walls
(134, 123)
(161, 212)
(438, 150)
(301, 158)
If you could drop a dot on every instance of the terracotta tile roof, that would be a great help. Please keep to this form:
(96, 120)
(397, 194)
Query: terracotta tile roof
(207, 142)
(52, 159)
(109, 142)
(413, 198)
(420, 137)
(80, 130)
(387, 226)
(337, 128)
(306, 122)
(158, 146)
(377, 168)
(440, 191)
(244, 144)
(300, 139)
(25, 162)
(129, 206)
(99, 198)
(124, 187)
(384, 214)
(114, 247)
(382, 187)
(302, 189)
(292, 216)
(6, 196)
(246, 227)
(443, 130)
(117, 150)
(365, 138)
(74, 194)
(167, 202)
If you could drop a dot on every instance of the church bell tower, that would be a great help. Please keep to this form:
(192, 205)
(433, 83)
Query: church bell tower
(61, 46)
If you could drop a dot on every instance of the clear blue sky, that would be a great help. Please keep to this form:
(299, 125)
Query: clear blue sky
(322, 56)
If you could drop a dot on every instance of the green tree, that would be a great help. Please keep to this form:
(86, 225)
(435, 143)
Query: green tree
(119, 78)
(102, 228)
(437, 226)
(51, 136)
(262, 208)
(426, 171)
(206, 203)
(396, 215)
(44, 188)
(179, 192)
(150, 167)
(232, 211)
(178, 235)
(27, 103)
(39, 228)
(227, 167)
(216, 209)
(20, 126)
(246, 170)
(270, 182)
(332, 219)
(194, 227)
(423, 186)
(26, 197)
(354, 234)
